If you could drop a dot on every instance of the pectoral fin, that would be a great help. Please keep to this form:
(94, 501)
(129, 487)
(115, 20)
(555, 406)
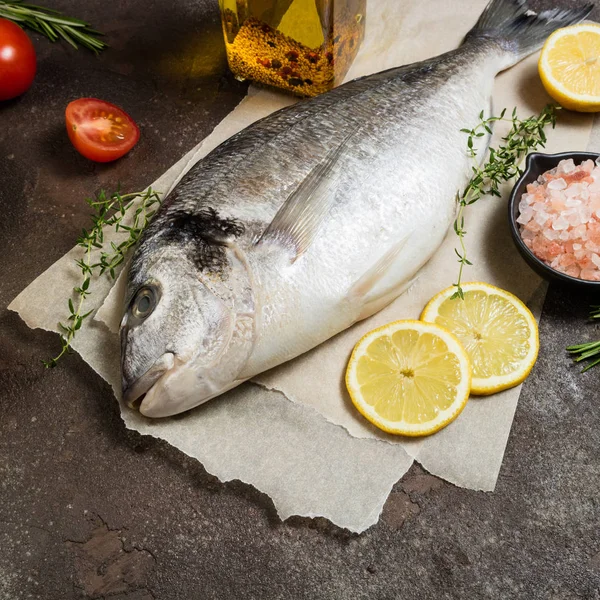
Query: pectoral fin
(361, 293)
(302, 214)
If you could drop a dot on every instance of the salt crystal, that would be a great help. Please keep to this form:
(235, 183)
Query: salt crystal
(594, 229)
(580, 232)
(541, 218)
(559, 224)
(560, 221)
(525, 216)
(573, 190)
(573, 271)
(588, 165)
(566, 166)
(566, 260)
(588, 274)
(585, 214)
(595, 187)
(557, 184)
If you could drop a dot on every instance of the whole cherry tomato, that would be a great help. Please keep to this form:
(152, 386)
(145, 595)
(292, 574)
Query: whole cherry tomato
(99, 130)
(17, 60)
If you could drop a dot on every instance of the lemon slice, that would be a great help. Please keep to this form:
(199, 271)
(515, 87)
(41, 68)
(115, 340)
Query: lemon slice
(409, 377)
(496, 329)
(570, 67)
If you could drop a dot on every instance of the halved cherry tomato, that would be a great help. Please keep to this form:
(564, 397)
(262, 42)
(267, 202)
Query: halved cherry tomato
(17, 60)
(99, 130)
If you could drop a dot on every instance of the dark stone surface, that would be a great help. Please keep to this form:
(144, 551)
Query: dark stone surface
(90, 510)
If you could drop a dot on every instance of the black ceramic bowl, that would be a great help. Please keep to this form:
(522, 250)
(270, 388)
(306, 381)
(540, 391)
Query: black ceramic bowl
(537, 164)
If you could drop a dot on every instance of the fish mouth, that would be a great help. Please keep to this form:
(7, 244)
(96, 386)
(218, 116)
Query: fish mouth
(172, 386)
(133, 394)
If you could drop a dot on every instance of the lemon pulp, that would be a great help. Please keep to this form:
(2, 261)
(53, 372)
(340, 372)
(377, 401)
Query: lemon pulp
(569, 67)
(496, 329)
(409, 377)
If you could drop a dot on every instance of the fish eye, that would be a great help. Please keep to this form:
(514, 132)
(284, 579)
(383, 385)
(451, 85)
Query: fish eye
(144, 303)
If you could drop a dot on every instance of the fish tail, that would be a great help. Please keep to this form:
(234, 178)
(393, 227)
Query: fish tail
(519, 30)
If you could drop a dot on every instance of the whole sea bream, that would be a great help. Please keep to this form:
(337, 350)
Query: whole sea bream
(310, 219)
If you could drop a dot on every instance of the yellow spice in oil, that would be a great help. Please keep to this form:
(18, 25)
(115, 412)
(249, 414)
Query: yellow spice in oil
(302, 46)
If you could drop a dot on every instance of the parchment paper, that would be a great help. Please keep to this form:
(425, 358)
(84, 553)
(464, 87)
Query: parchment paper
(306, 447)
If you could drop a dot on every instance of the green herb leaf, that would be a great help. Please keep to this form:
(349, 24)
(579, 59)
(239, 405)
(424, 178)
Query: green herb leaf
(52, 24)
(108, 212)
(588, 350)
(502, 165)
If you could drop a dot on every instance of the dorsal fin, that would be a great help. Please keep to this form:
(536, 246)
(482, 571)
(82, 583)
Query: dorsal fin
(300, 216)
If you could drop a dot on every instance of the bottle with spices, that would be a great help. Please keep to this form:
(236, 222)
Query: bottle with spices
(302, 46)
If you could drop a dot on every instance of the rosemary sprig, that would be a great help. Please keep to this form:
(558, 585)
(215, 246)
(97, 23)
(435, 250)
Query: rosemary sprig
(589, 350)
(109, 211)
(52, 24)
(580, 352)
(502, 165)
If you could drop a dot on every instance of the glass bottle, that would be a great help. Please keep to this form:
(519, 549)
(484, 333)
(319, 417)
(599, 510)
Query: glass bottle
(302, 46)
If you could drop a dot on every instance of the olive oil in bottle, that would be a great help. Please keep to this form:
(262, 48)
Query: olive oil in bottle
(302, 46)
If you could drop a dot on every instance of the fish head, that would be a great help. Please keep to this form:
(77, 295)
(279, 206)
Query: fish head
(187, 330)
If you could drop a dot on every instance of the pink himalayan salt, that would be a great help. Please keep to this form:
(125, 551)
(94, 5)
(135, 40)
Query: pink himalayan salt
(559, 218)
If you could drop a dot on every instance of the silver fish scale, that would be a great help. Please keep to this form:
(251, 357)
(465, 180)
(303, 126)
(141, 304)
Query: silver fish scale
(400, 174)
(259, 167)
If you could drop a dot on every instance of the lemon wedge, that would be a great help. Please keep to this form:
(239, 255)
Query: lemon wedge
(569, 66)
(409, 377)
(496, 329)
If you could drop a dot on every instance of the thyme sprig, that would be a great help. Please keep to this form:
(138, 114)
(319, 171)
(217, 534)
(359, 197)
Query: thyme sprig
(589, 350)
(52, 24)
(501, 165)
(109, 211)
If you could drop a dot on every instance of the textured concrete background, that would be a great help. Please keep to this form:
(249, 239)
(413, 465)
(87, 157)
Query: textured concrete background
(90, 510)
